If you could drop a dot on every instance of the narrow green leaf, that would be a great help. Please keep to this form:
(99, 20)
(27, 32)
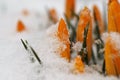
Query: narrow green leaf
(30, 50)
(103, 67)
(25, 46)
(35, 54)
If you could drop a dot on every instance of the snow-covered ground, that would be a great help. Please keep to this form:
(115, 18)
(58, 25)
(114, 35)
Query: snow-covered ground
(14, 59)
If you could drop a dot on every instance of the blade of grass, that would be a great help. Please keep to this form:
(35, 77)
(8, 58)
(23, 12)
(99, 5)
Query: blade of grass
(35, 54)
(25, 46)
(71, 27)
(103, 67)
(84, 51)
(93, 58)
(31, 50)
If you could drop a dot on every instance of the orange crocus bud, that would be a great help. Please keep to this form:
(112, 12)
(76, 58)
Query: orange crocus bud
(20, 26)
(69, 8)
(85, 18)
(53, 15)
(78, 65)
(111, 1)
(98, 18)
(25, 12)
(63, 36)
(113, 16)
(112, 58)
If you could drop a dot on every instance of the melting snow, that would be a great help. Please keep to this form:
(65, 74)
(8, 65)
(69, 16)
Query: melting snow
(14, 59)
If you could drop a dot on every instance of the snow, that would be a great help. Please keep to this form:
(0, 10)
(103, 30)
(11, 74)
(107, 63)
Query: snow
(15, 63)
(115, 37)
(53, 39)
(77, 46)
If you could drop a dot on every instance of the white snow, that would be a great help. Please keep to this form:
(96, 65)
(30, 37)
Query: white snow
(77, 46)
(14, 59)
(115, 39)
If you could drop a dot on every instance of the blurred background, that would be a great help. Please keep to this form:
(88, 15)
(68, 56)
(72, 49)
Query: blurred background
(40, 5)
(12, 10)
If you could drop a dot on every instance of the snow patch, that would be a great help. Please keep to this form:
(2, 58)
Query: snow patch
(115, 38)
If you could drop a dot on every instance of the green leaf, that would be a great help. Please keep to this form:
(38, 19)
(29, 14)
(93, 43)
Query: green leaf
(30, 50)
(35, 54)
(25, 46)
